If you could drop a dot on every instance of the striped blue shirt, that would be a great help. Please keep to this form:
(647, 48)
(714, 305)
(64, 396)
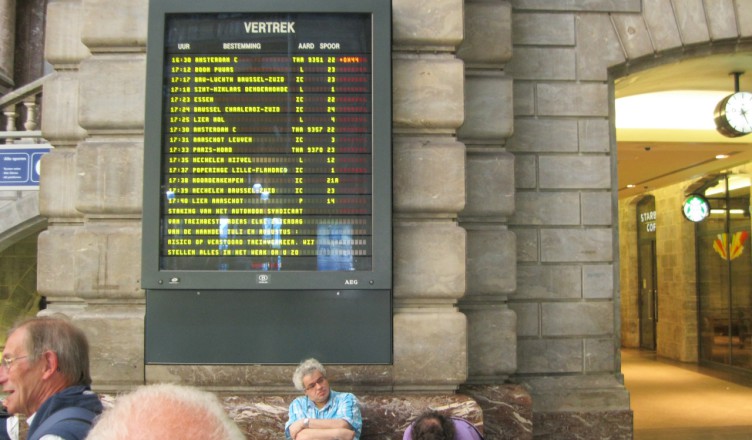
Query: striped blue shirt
(340, 406)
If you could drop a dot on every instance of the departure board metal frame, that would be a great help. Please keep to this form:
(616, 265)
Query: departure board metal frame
(194, 75)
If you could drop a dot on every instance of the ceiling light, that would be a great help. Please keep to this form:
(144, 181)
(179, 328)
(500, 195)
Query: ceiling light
(721, 156)
(684, 110)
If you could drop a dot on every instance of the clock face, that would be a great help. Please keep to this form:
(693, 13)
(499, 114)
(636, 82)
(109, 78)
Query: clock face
(733, 115)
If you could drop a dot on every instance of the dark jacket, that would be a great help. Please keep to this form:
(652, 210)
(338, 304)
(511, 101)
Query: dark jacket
(80, 396)
(4, 424)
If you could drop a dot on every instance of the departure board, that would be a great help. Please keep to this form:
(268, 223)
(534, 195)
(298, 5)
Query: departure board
(273, 150)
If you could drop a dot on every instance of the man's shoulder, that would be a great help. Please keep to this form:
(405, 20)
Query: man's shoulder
(342, 395)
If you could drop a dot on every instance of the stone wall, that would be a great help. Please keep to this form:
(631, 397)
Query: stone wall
(565, 300)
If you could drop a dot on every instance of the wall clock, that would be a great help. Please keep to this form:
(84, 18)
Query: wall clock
(733, 114)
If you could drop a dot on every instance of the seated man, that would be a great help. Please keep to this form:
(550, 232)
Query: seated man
(322, 413)
(432, 425)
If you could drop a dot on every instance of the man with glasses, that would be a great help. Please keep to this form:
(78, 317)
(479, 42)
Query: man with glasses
(322, 413)
(45, 375)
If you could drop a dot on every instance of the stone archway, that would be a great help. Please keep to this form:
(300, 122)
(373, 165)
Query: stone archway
(670, 34)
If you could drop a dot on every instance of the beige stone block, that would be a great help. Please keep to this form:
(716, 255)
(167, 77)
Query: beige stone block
(429, 175)
(549, 356)
(107, 257)
(576, 245)
(744, 18)
(115, 25)
(544, 135)
(492, 342)
(543, 282)
(598, 281)
(428, 93)
(110, 176)
(542, 29)
(112, 94)
(659, 17)
(427, 24)
(598, 47)
(593, 135)
(633, 34)
(524, 98)
(528, 318)
(577, 319)
(489, 111)
(596, 208)
(116, 339)
(57, 186)
(60, 109)
(690, 17)
(543, 63)
(567, 393)
(62, 38)
(525, 171)
(546, 208)
(430, 350)
(56, 274)
(722, 19)
(600, 356)
(528, 245)
(573, 172)
(491, 262)
(429, 260)
(490, 184)
(579, 5)
(572, 99)
(488, 34)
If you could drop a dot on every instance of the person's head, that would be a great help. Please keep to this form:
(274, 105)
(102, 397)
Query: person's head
(432, 425)
(166, 411)
(310, 377)
(41, 357)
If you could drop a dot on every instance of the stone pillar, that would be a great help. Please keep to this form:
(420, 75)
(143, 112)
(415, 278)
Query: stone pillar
(491, 258)
(94, 106)
(7, 43)
(430, 350)
(491, 265)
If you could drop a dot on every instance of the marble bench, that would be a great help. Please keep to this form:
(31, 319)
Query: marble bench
(384, 416)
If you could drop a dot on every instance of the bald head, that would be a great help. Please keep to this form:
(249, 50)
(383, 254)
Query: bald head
(166, 411)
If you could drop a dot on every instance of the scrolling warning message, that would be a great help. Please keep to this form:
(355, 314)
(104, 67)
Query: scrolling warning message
(267, 142)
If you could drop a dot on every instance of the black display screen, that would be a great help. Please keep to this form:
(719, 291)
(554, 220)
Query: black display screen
(273, 147)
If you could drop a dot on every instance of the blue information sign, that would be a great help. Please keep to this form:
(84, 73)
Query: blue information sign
(19, 166)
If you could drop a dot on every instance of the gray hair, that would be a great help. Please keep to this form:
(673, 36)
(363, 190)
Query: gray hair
(166, 411)
(305, 368)
(57, 334)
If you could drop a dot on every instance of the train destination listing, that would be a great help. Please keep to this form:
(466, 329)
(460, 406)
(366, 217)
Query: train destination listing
(267, 142)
